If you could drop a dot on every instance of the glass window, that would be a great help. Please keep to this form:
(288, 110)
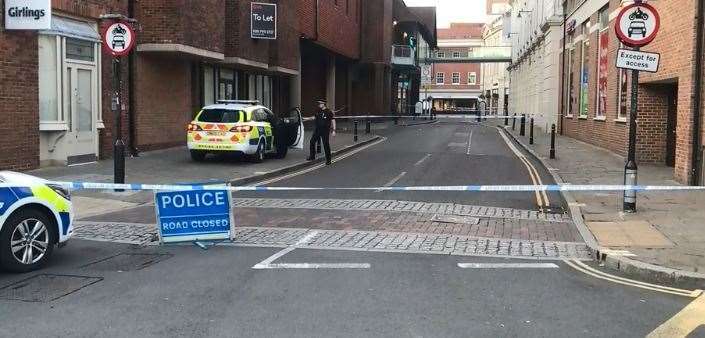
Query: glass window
(456, 54)
(456, 78)
(604, 17)
(440, 78)
(48, 92)
(572, 99)
(208, 86)
(267, 91)
(79, 50)
(602, 68)
(221, 116)
(622, 95)
(251, 90)
(441, 54)
(472, 78)
(584, 73)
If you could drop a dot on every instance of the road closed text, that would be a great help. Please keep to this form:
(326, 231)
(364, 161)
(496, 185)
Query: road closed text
(196, 225)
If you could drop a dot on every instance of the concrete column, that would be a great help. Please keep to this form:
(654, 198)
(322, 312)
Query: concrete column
(330, 79)
(295, 88)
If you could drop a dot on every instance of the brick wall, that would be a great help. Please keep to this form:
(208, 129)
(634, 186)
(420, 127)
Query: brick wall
(461, 31)
(463, 68)
(162, 116)
(377, 31)
(338, 26)
(651, 129)
(198, 24)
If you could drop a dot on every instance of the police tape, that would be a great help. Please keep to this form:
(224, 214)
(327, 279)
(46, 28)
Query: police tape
(471, 188)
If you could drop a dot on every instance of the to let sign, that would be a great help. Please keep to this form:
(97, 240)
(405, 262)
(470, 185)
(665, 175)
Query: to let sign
(642, 61)
(263, 21)
(28, 14)
(193, 215)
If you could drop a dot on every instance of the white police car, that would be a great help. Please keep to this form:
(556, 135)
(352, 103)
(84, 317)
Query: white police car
(34, 216)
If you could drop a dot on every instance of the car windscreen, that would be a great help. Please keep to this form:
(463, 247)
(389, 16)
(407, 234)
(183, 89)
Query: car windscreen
(222, 116)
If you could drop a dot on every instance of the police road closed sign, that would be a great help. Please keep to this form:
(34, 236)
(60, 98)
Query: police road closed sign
(118, 39)
(194, 215)
(28, 14)
(263, 21)
(637, 24)
(636, 60)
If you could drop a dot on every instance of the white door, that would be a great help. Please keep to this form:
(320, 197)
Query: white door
(81, 107)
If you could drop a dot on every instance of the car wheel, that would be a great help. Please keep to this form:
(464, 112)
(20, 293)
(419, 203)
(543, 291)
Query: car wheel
(258, 157)
(198, 156)
(26, 240)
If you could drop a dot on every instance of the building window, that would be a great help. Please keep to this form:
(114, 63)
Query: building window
(622, 95)
(571, 83)
(456, 78)
(472, 78)
(456, 55)
(441, 54)
(208, 85)
(49, 75)
(584, 71)
(602, 64)
(440, 78)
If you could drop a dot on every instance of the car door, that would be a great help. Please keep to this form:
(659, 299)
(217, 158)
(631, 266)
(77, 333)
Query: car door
(294, 125)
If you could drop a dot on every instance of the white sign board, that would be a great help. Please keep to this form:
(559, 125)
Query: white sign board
(637, 24)
(631, 59)
(28, 14)
(426, 74)
(118, 39)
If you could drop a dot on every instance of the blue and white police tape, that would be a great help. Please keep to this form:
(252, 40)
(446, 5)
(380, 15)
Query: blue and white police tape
(472, 188)
(453, 116)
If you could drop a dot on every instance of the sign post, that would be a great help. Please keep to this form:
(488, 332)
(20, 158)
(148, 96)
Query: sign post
(118, 40)
(636, 26)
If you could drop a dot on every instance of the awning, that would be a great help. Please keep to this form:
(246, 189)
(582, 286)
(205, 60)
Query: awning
(73, 29)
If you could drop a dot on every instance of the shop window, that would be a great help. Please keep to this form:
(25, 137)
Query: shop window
(571, 97)
(226, 84)
(602, 64)
(440, 78)
(49, 75)
(622, 95)
(456, 78)
(584, 71)
(472, 78)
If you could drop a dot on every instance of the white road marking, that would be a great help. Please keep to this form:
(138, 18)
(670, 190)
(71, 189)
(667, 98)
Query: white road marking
(267, 263)
(422, 160)
(469, 142)
(684, 322)
(394, 180)
(507, 266)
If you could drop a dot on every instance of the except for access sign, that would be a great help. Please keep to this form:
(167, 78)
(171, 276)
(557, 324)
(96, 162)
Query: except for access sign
(194, 215)
(636, 60)
(637, 24)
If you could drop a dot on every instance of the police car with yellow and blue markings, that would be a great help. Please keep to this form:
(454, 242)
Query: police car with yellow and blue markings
(34, 217)
(244, 128)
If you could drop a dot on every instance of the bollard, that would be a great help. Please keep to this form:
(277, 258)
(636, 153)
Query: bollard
(531, 132)
(552, 154)
(368, 127)
(355, 131)
(506, 119)
(514, 121)
(522, 126)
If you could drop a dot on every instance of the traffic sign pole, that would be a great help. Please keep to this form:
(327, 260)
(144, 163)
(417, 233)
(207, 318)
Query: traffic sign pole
(630, 169)
(119, 144)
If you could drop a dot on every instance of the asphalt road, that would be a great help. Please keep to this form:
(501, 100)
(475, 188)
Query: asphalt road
(193, 292)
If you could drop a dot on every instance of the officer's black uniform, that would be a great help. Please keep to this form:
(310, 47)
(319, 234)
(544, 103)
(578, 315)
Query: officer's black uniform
(324, 119)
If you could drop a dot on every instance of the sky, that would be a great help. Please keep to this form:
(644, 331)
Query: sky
(448, 11)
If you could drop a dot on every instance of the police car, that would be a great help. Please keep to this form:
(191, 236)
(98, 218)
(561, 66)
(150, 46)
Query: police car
(245, 128)
(34, 216)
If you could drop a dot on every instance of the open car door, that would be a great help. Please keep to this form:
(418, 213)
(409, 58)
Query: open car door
(294, 125)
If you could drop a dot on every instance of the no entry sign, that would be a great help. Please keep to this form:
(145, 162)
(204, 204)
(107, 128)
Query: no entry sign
(118, 39)
(637, 24)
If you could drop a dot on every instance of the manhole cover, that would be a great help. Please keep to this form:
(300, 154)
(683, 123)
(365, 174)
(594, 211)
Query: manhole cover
(45, 287)
(455, 219)
(127, 262)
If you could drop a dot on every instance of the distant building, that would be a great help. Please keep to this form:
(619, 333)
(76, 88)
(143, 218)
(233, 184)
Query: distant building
(495, 76)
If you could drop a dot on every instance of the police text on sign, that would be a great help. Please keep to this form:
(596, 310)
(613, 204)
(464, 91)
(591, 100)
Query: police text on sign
(193, 215)
(636, 60)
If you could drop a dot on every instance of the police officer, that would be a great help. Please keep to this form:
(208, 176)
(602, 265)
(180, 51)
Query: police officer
(324, 127)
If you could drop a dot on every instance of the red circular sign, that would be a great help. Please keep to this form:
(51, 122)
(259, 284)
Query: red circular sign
(119, 39)
(637, 24)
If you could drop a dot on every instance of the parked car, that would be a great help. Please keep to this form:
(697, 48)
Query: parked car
(243, 127)
(34, 217)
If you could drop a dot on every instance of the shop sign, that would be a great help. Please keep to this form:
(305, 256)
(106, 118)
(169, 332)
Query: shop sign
(28, 14)
(263, 21)
(631, 59)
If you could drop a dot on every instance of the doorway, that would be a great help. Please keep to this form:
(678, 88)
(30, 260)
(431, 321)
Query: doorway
(80, 99)
(671, 126)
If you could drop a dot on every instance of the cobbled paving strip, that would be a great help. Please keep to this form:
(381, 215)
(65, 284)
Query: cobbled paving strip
(145, 234)
(405, 206)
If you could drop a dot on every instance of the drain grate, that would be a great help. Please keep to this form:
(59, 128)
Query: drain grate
(127, 262)
(46, 287)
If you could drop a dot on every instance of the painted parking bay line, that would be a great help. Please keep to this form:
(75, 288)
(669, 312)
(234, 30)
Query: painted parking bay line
(684, 322)
(507, 266)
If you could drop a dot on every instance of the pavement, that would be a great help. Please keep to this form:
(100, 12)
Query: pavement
(664, 239)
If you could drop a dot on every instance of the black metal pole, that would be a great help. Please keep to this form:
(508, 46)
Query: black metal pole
(368, 127)
(522, 126)
(506, 119)
(118, 144)
(514, 121)
(355, 131)
(552, 154)
(531, 132)
(630, 169)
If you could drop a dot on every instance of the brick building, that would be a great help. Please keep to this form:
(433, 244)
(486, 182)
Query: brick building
(595, 102)
(457, 85)
(55, 84)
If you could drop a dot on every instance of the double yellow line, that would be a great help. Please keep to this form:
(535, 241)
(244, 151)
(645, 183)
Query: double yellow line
(541, 195)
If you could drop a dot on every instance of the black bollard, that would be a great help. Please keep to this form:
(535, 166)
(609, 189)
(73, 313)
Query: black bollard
(368, 127)
(552, 154)
(522, 126)
(355, 131)
(531, 131)
(514, 121)
(506, 119)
